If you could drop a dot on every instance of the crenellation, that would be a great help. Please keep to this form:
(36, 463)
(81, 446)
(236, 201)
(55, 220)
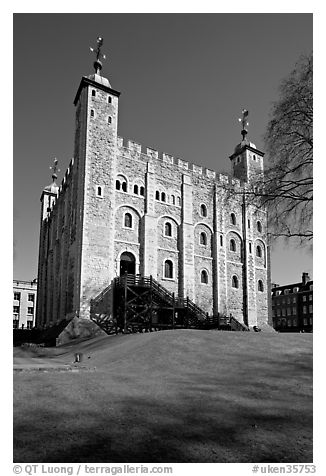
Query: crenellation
(167, 158)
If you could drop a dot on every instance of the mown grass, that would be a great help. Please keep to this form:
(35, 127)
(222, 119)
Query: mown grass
(173, 396)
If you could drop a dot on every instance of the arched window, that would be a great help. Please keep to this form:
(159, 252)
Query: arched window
(221, 240)
(109, 99)
(109, 120)
(168, 269)
(233, 246)
(258, 252)
(142, 190)
(204, 277)
(259, 227)
(235, 281)
(117, 184)
(124, 186)
(99, 191)
(167, 229)
(203, 210)
(92, 113)
(136, 189)
(179, 201)
(250, 248)
(260, 285)
(157, 195)
(163, 196)
(93, 93)
(203, 238)
(233, 219)
(173, 199)
(128, 220)
(248, 223)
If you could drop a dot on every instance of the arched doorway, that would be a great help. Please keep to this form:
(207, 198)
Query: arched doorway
(127, 263)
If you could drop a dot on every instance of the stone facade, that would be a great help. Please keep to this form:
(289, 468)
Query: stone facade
(173, 220)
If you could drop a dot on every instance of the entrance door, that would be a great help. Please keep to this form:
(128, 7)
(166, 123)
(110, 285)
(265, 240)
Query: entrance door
(127, 263)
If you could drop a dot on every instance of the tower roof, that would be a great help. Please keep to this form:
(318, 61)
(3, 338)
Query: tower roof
(53, 187)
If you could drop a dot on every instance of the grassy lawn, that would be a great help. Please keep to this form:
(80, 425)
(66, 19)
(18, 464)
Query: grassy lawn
(170, 396)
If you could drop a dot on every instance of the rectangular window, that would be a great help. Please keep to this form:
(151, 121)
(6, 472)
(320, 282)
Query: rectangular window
(310, 308)
(304, 309)
(310, 297)
(288, 300)
(304, 298)
(289, 311)
(278, 312)
(305, 321)
(250, 249)
(289, 322)
(30, 310)
(17, 296)
(273, 312)
(31, 297)
(295, 323)
(15, 323)
(294, 299)
(310, 320)
(283, 312)
(221, 240)
(29, 325)
(16, 309)
(294, 311)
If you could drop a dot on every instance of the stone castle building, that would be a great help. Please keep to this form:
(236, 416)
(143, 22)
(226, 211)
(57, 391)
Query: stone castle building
(121, 208)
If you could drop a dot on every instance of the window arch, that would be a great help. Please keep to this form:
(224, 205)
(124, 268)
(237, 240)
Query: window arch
(203, 210)
(235, 281)
(109, 99)
(203, 238)
(260, 286)
(163, 197)
(136, 189)
(233, 246)
(173, 199)
(179, 201)
(99, 191)
(142, 190)
(204, 277)
(259, 251)
(157, 195)
(121, 183)
(93, 93)
(233, 219)
(128, 220)
(168, 269)
(109, 120)
(259, 227)
(167, 229)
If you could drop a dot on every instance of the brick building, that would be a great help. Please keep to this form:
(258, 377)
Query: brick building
(24, 304)
(292, 306)
(122, 208)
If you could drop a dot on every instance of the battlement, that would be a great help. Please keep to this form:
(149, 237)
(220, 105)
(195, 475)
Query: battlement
(133, 150)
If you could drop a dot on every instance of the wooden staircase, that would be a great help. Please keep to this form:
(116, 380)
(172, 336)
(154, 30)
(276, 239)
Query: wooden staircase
(140, 304)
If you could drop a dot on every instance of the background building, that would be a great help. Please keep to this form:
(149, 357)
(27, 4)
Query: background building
(24, 305)
(122, 208)
(292, 306)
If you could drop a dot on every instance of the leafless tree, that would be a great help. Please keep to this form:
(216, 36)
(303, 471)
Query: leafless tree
(288, 182)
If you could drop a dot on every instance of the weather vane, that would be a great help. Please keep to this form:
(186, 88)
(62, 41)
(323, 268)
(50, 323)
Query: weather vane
(99, 55)
(55, 169)
(244, 122)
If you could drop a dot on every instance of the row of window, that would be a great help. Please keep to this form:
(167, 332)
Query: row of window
(162, 197)
(109, 118)
(30, 310)
(15, 324)
(202, 236)
(293, 322)
(169, 274)
(121, 184)
(31, 297)
(290, 291)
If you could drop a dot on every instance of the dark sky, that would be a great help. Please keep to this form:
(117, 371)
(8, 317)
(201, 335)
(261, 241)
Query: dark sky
(184, 79)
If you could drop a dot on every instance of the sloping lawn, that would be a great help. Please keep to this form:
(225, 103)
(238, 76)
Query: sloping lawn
(170, 396)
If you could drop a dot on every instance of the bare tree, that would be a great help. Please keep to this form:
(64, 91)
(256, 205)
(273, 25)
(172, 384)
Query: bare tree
(288, 183)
